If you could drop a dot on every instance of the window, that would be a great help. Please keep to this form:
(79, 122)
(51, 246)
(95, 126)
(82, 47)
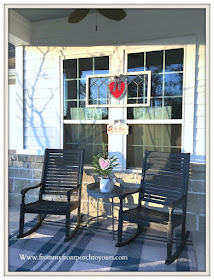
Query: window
(167, 83)
(83, 127)
(166, 104)
(11, 56)
(160, 126)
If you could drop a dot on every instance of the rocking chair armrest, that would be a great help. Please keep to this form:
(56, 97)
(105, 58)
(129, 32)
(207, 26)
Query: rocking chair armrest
(175, 203)
(69, 192)
(23, 191)
(122, 196)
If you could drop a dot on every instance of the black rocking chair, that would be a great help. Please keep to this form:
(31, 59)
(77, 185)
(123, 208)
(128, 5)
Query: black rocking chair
(164, 181)
(62, 175)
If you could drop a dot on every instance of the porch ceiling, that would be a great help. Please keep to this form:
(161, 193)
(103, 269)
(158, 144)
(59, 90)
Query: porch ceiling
(35, 15)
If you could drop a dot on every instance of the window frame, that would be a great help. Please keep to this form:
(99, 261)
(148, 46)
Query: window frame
(78, 56)
(63, 121)
(187, 120)
(161, 121)
(123, 102)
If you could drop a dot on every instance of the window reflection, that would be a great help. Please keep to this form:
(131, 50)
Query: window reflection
(173, 85)
(147, 113)
(162, 138)
(75, 88)
(69, 68)
(98, 91)
(157, 85)
(136, 62)
(174, 60)
(173, 107)
(166, 81)
(85, 67)
(154, 61)
(137, 89)
(88, 137)
(101, 65)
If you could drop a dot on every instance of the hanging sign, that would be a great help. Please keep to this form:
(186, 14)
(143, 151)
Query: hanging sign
(118, 129)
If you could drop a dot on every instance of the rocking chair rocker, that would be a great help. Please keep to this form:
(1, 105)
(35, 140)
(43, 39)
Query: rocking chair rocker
(62, 175)
(164, 181)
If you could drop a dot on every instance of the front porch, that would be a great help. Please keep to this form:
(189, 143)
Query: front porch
(47, 109)
(93, 249)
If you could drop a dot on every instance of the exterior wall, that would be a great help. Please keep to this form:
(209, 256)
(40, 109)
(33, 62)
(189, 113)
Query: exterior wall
(43, 89)
(25, 171)
(41, 99)
(12, 110)
(200, 104)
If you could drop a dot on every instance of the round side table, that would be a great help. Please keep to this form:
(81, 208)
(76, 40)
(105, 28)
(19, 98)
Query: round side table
(93, 190)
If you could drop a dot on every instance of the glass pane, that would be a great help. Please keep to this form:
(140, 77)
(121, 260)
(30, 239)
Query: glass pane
(82, 89)
(11, 56)
(147, 113)
(104, 113)
(93, 95)
(70, 90)
(85, 67)
(173, 108)
(103, 94)
(172, 135)
(152, 135)
(157, 85)
(154, 61)
(70, 68)
(163, 138)
(173, 84)
(174, 60)
(137, 89)
(67, 109)
(135, 156)
(99, 92)
(136, 62)
(101, 65)
(132, 88)
(88, 137)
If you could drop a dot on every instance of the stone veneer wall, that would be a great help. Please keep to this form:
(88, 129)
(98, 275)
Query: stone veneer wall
(25, 171)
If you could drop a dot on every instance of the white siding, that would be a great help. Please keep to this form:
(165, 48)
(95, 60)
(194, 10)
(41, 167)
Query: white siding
(200, 106)
(41, 99)
(12, 116)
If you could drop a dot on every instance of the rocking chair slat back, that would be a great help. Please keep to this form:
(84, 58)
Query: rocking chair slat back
(165, 177)
(61, 170)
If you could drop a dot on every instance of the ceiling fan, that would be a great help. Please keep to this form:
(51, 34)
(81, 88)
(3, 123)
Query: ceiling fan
(115, 14)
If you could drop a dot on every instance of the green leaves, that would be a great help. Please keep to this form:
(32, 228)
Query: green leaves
(104, 154)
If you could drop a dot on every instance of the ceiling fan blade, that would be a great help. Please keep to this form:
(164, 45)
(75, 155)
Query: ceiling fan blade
(77, 15)
(115, 14)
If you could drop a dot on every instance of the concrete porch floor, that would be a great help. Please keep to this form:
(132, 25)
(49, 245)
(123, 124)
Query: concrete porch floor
(199, 238)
